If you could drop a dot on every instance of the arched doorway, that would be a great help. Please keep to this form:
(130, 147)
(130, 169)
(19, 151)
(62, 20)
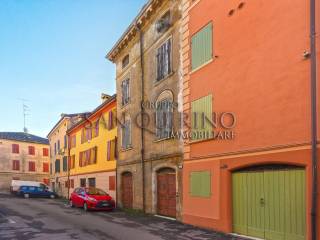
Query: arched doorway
(269, 202)
(126, 190)
(166, 192)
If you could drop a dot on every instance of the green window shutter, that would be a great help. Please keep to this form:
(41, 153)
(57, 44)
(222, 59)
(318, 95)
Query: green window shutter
(65, 164)
(200, 184)
(201, 46)
(201, 118)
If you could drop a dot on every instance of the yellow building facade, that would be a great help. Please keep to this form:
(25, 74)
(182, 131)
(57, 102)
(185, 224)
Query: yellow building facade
(59, 152)
(93, 149)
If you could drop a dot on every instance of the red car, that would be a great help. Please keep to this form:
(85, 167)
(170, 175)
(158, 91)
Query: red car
(91, 199)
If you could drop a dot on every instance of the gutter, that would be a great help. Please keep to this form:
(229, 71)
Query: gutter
(142, 112)
(313, 89)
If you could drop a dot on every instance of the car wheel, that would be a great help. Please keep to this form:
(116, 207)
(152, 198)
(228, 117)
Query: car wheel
(71, 203)
(52, 196)
(85, 206)
(26, 195)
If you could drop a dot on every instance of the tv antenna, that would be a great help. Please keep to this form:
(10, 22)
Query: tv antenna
(25, 110)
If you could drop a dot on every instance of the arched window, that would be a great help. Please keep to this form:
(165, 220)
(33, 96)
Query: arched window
(164, 115)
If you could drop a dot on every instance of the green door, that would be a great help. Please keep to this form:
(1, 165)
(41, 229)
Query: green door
(269, 204)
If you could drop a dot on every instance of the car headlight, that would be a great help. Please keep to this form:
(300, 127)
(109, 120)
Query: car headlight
(91, 199)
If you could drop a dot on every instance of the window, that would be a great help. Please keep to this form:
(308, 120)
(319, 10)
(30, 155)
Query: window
(31, 150)
(58, 146)
(72, 183)
(164, 22)
(83, 182)
(125, 61)
(92, 182)
(110, 120)
(50, 168)
(86, 133)
(164, 60)
(32, 166)
(200, 184)
(16, 165)
(96, 128)
(45, 181)
(45, 167)
(57, 166)
(125, 92)
(201, 118)
(112, 149)
(55, 148)
(45, 152)
(73, 141)
(65, 164)
(15, 148)
(112, 183)
(65, 145)
(164, 119)
(88, 157)
(201, 47)
(126, 134)
(72, 161)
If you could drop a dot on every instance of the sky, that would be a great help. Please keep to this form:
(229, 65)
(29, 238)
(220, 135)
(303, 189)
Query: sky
(52, 54)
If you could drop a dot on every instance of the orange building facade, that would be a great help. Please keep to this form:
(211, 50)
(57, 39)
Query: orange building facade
(250, 60)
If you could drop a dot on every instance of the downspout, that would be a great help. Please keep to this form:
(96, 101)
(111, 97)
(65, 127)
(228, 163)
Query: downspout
(69, 161)
(142, 112)
(313, 86)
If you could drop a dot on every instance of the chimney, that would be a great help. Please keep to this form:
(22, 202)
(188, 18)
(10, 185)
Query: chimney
(105, 97)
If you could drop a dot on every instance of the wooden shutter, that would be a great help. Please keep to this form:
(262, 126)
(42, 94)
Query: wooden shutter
(115, 148)
(128, 91)
(108, 150)
(65, 164)
(199, 107)
(112, 183)
(32, 166)
(200, 184)
(80, 159)
(201, 47)
(15, 148)
(109, 120)
(45, 167)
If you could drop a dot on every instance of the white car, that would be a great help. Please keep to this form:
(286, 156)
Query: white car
(16, 184)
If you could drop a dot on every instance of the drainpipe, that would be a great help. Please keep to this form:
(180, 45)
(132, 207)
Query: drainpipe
(69, 161)
(313, 85)
(142, 112)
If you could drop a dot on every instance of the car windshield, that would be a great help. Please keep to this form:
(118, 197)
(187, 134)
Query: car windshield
(95, 191)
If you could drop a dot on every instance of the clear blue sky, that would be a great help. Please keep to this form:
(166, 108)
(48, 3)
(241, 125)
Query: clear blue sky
(52, 53)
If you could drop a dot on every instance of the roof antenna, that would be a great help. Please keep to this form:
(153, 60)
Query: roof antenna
(25, 110)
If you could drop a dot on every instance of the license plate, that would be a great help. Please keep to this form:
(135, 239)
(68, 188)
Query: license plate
(105, 205)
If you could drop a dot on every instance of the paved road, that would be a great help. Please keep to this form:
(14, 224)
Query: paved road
(52, 219)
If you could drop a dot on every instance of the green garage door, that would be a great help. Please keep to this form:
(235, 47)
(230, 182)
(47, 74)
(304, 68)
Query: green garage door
(269, 204)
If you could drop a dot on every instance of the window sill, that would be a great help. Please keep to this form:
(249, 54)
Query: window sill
(125, 105)
(126, 149)
(201, 66)
(157, 82)
(163, 139)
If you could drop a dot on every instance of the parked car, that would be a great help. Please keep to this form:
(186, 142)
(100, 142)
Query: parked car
(16, 184)
(91, 199)
(35, 191)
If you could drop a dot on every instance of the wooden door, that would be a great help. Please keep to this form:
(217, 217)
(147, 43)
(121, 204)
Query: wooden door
(166, 193)
(127, 191)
